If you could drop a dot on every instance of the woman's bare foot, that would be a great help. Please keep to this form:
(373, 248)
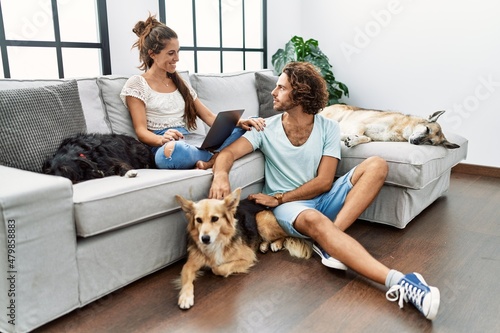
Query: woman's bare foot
(206, 165)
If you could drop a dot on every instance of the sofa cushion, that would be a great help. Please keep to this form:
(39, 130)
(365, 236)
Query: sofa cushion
(95, 116)
(111, 86)
(115, 202)
(34, 121)
(228, 91)
(410, 166)
(265, 83)
(119, 117)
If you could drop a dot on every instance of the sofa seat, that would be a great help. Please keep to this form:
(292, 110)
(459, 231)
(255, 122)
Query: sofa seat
(111, 203)
(417, 176)
(409, 165)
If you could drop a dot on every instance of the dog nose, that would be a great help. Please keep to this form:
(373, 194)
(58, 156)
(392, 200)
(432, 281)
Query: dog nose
(205, 239)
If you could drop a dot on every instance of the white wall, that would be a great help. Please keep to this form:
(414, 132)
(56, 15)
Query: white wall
(122, 17)
(416, 57)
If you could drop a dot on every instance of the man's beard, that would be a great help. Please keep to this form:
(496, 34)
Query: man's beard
(283, 107)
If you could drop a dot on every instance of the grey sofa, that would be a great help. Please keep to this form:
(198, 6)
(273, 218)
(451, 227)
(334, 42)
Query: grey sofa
(63, 246)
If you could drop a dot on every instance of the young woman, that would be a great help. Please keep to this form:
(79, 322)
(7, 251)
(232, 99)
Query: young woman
(163, 107)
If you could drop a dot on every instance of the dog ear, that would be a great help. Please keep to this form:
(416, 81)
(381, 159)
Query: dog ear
(434, 117)
(233, 200)
(449, 145)
(186, 205)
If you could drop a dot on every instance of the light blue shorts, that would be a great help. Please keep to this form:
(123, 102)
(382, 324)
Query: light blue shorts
(328, 203)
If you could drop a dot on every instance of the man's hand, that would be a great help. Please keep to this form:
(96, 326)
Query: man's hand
(223, 163)
(257, 123)
(220, 187)
(264, 199)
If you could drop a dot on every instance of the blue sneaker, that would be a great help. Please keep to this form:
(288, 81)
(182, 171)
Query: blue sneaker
(327, 260)
(413, 288)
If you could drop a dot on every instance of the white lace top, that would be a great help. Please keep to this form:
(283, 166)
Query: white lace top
(163, 110)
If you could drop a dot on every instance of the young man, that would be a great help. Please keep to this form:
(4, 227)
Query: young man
(302, 151)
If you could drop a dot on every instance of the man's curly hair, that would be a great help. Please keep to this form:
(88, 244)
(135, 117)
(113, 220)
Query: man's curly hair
(308, 86)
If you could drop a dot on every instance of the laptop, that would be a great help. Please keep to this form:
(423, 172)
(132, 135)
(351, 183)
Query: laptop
(221, 129)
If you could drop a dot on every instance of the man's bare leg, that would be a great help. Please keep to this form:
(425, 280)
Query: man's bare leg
(367, 181)
(340, 245)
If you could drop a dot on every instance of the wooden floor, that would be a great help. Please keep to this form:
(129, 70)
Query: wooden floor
(454, 244)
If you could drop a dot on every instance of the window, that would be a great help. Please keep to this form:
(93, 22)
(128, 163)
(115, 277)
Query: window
(53, 38)
(218, 35)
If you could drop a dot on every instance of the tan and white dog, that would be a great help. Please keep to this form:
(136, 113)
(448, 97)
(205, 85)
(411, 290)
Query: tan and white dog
(224, 235)
(359, 125)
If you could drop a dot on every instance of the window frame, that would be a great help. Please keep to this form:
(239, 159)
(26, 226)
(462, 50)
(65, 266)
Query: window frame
(103, 45)
(221, 49)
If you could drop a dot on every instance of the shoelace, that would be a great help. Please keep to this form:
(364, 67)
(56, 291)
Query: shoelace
(405, 292)
(393, 295)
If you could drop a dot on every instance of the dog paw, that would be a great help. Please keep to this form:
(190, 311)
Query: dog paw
(186, 301)
(351, 141)
(277, 245)
(264, 247)
(131, 174)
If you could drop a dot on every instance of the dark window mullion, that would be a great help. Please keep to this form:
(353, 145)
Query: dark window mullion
(195, 42)
(244, 34)
(216, 48)
(163, 11)
(102, 18)
(220, 38)
(40, 43)
(3, 47)
(57, 38)
(264, 32)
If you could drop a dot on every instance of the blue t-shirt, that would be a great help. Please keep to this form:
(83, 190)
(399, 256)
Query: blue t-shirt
(287, 166)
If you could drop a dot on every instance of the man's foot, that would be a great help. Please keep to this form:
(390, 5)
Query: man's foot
(327, 260)
(208, 164)
(414, 289)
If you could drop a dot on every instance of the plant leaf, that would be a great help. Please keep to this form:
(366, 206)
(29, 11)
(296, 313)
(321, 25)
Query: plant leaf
(298, 50)
(283, 56)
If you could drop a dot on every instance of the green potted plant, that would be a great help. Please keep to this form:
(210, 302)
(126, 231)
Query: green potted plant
(299, 50)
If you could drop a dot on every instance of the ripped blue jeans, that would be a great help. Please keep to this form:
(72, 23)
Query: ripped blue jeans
(184, 155)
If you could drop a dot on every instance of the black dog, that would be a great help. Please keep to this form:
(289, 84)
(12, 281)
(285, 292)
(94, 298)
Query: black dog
(90, 156)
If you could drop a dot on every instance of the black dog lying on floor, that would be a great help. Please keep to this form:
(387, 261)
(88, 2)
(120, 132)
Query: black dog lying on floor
(90, 156)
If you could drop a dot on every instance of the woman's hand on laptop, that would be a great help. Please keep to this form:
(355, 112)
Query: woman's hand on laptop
(255, 122)
(171, 135)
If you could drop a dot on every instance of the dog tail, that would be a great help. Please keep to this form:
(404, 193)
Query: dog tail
(298, 247)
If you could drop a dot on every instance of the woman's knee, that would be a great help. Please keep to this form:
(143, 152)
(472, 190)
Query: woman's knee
(168, 149)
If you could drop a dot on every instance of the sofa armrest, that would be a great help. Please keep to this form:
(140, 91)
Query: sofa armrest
(37, 249)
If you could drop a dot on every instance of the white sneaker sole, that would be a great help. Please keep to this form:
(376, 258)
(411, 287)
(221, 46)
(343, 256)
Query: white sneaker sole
(435, 301)
(330, 262)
